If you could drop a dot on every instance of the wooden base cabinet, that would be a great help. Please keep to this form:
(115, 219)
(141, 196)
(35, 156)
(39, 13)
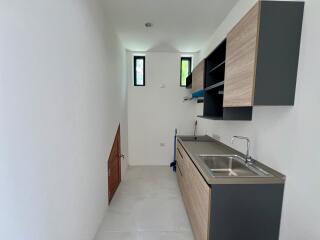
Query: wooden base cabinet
(246, 211)
(228, 211)
(196, 194)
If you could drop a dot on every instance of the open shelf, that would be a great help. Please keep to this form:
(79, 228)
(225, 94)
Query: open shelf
(213, 104)
(216, 67)
(231, 114)
(214, 83)
(214, 90)
(214, 86)
(210, 118)
(217, 57)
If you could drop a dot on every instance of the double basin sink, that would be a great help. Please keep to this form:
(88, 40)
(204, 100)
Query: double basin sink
(224, 165)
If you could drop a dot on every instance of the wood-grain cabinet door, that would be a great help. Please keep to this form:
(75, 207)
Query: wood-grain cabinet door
(198, 77)
(198, 199)
(241, 55)
(179, 170)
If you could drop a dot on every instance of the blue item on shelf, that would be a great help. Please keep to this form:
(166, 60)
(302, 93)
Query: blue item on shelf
(198, 94)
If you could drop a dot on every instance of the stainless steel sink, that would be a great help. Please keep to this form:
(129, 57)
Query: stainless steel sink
(231, 166)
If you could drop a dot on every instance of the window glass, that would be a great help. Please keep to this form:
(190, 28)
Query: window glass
(185, 70)
(139, 71)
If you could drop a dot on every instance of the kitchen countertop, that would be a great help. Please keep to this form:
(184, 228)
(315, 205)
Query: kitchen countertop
(207, 145)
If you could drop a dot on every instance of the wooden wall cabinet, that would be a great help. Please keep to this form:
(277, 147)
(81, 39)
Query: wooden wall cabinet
(262, 55)
(255, 65)
(198, 77)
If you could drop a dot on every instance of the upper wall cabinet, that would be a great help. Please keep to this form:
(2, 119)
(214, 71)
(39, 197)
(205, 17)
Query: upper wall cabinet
(262, 54)
(198, 77)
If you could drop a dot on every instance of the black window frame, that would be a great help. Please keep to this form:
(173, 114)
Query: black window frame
(189, 59)
(135, 58)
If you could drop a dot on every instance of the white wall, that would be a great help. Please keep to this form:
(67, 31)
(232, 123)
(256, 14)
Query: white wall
(62, 95)
(154, 112)
(286, 138)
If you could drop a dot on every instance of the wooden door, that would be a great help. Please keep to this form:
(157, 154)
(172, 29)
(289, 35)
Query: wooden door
(114, 166)
(242, 45)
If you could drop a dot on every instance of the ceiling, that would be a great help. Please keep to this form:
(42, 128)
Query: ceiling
(178, 25)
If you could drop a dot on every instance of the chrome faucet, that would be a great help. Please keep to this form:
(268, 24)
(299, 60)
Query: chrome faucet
(195, 129)
(248, 158)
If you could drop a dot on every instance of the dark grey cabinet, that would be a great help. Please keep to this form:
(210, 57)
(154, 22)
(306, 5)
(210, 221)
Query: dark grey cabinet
(262, 55)
(256, 64)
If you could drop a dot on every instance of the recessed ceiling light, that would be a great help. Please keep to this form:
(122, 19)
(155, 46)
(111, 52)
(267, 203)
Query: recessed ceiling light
(148, 24)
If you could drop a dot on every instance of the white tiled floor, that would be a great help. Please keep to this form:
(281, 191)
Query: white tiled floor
(147, 206)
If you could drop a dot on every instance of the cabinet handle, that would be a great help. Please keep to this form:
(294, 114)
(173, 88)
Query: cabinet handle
(180, 153)
(179, 169)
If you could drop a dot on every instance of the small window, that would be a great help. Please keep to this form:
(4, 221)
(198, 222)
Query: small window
(185, 70)
(139, 71)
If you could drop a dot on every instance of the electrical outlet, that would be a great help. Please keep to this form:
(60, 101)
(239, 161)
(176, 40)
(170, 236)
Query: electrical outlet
(162, 144)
